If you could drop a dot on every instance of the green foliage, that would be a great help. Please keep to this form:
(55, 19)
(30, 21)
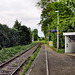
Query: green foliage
(7, 53)
(35, 34)
(49, 18)
(24, 33)
(62, 51)
(41, 38)
(18, 35)
(44, 42)
(32, 59)
(17, 25)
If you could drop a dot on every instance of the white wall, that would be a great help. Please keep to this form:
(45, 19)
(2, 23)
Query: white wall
(69, 44)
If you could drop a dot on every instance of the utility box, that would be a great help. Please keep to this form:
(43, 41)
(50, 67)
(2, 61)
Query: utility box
(69, 42)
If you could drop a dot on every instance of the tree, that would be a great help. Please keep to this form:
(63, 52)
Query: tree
(14, 37)
(17, 25)
(49, 18)
(29, 35)
(18, 35)
(4, 40)
(35, 34)
(25, 35)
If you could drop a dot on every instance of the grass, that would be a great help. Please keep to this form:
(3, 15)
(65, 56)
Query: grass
(7, 53)
(26, 67)
(62, 51)
(55, 49)
(43, 41)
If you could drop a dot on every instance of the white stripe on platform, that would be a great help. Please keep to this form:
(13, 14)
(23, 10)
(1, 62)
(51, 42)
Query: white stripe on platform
(46, 61)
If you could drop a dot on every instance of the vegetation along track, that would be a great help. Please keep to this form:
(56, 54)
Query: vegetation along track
(10, 67)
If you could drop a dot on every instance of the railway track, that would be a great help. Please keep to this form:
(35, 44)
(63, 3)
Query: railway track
(11, 66)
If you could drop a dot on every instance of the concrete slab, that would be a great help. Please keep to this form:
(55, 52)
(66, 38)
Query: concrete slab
(71, 54)
(39, 65)
(56, 64)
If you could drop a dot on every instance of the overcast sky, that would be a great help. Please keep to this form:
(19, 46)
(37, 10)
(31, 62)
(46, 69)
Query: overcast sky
(23, 10)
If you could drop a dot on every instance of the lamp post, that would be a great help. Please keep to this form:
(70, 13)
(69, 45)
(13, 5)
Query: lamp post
(57, 29)
(48, 33)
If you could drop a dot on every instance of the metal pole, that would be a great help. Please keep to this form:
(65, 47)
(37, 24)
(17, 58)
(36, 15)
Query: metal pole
(48, 34)
(48, 37)
(57, 39)
(58, 17)
(57, 31)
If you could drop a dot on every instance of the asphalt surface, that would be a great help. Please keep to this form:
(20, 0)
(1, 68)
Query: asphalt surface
(49, 62)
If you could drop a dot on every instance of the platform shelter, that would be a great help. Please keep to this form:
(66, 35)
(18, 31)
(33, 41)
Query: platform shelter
(69, 42)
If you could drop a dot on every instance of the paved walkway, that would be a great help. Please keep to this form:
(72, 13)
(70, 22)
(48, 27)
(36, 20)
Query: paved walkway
(39, 65)
(49, 62)
(71, 54)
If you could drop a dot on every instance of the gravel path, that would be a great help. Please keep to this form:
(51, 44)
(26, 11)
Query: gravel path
(58, 64)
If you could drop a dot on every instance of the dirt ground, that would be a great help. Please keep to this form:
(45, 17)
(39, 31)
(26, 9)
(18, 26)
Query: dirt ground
(58, 64)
